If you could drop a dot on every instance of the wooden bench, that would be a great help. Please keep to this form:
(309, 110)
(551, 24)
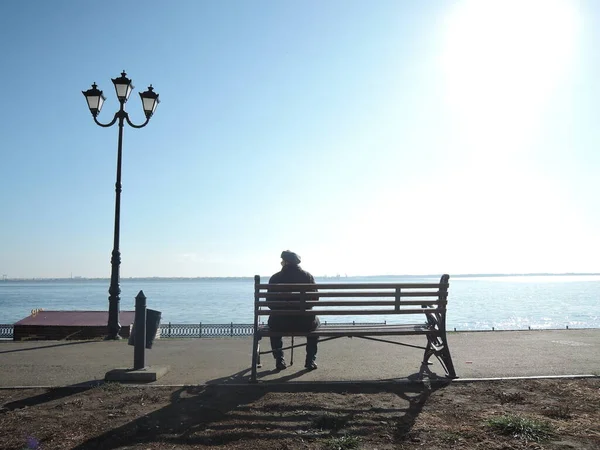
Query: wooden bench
(426, 301)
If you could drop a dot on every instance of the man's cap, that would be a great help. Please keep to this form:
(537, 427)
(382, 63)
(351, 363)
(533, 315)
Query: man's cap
(291, 257)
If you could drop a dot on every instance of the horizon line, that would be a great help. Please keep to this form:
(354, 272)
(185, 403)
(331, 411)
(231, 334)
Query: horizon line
(463, 275)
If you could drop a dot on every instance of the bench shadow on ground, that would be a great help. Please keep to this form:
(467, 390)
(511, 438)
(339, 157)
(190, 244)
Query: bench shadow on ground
(230, 409)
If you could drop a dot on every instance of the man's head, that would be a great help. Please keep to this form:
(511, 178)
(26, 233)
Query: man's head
(289, 257)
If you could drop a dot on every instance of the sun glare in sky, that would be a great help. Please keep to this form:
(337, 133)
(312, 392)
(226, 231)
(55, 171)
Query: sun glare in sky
(491, 209)
(502, 62)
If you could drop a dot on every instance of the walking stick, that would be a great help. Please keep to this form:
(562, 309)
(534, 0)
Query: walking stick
(292, 357)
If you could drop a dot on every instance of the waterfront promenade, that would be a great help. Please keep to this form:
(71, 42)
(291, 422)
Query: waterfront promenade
(489, 354)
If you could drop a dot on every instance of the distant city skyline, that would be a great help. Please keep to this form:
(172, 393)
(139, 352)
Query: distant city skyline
(379, 137)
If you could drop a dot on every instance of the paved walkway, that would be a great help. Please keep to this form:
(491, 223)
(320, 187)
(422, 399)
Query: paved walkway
(219, 360)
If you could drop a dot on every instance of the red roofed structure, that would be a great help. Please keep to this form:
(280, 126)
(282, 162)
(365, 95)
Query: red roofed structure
(57, 325)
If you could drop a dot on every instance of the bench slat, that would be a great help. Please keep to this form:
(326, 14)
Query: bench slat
(354, 330)
(347, 312)
(391, 294)
(303, 286)
(322, 303)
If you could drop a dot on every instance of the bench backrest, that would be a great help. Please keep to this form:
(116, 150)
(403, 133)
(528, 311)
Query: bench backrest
(352, 299)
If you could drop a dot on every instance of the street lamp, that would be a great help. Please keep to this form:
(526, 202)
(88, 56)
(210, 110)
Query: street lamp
(95, 100)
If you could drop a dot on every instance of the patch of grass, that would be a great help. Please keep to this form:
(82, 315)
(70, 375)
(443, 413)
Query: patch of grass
(329, 422)
(521, 427)
(341, 443)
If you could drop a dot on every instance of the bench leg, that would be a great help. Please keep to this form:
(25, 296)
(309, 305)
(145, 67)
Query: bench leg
(438, 346)
(259, 364)
(255, 358)
(446, 359)
(428, 352)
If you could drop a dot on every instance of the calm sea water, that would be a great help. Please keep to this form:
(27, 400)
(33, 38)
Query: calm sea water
(474, 303)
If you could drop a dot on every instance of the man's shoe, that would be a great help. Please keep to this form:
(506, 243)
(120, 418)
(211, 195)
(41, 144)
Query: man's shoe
(310, 365)
(280, 364)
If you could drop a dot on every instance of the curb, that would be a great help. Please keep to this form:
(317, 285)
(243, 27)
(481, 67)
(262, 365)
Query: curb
(314, 383)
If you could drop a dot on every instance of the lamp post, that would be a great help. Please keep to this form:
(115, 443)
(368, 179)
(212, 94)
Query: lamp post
(95, 100)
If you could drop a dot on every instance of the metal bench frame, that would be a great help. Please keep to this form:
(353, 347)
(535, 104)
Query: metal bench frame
(428, 300)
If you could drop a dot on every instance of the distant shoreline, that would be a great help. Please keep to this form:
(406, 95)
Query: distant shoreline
(374, 277)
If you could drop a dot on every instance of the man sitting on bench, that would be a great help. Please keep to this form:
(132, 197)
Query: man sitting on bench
(291, 272)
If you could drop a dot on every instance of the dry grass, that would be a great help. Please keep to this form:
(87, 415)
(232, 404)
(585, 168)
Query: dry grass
(532, 414)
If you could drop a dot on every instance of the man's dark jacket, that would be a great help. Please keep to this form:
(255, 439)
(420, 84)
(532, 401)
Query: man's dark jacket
(292, 274)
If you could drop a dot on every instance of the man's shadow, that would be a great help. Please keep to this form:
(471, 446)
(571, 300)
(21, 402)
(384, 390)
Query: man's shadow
(231, 409)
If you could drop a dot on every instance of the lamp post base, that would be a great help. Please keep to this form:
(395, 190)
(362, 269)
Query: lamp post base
(146, 375)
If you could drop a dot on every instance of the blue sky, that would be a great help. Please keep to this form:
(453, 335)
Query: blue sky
(386, 137)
